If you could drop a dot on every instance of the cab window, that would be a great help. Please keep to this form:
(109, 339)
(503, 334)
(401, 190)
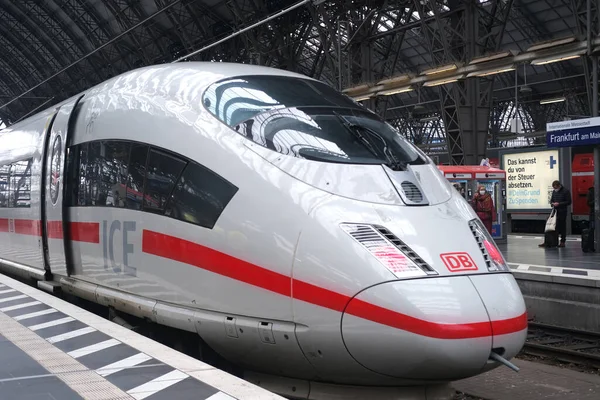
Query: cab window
(308, 119)
(235, 100)
(200, 196)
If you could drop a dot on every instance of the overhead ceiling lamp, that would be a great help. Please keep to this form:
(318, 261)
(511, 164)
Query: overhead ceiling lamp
(551, 43)
(363, 97)
(553, 100)
(395, 79)
(443, 81)
(492, 57)
(419, 110)
(557, 58)
(525, 89)
(361, 92)
(491, 71)
(439, 70)
(429, 119)
(390, 92)
(356, 89)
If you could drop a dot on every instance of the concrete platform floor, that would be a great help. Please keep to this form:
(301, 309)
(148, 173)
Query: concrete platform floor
(523, 249)
(51, 349)
(535, 381)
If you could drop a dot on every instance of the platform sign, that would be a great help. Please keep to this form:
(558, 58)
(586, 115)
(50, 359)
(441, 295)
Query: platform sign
(579, 132)
(529, 178)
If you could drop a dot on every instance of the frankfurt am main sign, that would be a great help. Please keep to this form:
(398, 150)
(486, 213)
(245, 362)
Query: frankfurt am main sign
(578, 132)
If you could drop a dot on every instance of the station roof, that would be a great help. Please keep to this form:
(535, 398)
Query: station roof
(52, 49)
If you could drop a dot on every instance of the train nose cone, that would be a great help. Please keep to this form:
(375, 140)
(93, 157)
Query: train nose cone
(507, 311)
(431, 329)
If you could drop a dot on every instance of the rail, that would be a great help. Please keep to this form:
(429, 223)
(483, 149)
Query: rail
(564, 344)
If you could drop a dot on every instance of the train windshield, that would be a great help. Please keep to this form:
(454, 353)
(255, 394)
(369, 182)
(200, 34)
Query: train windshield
(308, 119)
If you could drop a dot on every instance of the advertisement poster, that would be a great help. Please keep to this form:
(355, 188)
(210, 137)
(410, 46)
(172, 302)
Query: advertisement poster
(529, 178)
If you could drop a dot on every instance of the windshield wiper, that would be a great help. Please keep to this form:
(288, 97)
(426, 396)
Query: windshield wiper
(392, 162)
(350, 127)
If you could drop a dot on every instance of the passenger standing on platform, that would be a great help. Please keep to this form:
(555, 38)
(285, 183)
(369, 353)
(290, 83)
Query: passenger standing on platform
(484, 207)
(560, 200)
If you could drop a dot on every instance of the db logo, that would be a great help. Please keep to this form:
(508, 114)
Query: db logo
(456, 262)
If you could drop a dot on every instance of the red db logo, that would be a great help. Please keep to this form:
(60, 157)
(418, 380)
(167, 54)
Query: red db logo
(456, 262)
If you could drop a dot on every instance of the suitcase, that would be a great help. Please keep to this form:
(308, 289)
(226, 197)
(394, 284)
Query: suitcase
(551, 239)
(587, 240)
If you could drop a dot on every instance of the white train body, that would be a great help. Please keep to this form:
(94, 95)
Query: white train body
(280, 263)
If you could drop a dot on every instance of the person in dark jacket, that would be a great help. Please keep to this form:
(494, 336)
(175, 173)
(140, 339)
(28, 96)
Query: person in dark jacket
(560, 200)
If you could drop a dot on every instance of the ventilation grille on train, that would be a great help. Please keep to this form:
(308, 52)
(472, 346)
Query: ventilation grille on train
(491, 254)
(371, 237)
(405, 249)
(412, 192)
(479, 239)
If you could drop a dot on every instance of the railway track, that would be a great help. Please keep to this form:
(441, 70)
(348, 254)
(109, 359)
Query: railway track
(564, 344)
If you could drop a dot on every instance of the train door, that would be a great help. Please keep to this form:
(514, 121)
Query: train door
(54, 215)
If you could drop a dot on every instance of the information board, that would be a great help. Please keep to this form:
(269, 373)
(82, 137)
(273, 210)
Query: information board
(578, 132)
(529, 178)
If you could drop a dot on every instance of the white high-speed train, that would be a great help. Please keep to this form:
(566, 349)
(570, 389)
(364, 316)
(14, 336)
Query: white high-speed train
(294, 231)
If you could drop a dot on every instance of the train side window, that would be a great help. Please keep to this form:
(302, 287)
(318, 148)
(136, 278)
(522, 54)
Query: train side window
(163, 171)
(107, 171)
(4, 174)
(73, 176)
(137, 173)
(84, 193)
(200, 196)
(21, 183)
(15, 184)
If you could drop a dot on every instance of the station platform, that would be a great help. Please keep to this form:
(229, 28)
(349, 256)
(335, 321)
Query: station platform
(534, 381)
(523, 251)
(51, 349)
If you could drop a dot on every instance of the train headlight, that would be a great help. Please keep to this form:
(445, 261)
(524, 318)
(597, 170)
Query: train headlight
(394, 254)
(493, 257)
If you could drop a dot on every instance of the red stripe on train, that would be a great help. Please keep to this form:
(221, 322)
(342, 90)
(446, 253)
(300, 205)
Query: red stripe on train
(208, 259)
(54, 229)
(394, 319)
(28, 227)
(220, 263)
(3, 224)
(397, 320)
(88, 232)
(511, 325)
(191, 253)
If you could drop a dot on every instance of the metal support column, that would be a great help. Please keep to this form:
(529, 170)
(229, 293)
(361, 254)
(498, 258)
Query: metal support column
(465, 105)
(339, 60)
(595, 114)
(596, 155)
